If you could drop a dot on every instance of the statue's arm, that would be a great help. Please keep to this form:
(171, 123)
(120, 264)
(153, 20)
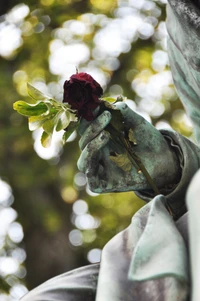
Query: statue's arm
(183, 25)
(188, 155)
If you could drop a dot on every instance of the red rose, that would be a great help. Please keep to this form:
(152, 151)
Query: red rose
(82, 92)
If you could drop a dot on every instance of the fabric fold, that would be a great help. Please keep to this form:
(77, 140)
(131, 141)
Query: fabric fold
(147, 261)
(160, 251)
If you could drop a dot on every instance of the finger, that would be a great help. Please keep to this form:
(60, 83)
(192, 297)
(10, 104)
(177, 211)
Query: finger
(89, 159)
(129, 115)
(95, 128)
(84, 123)
(97, 185)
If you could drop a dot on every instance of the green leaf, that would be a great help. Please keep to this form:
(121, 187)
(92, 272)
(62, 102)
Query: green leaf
(131, 136)
(113, 100)
(46, 139)
(35, 122)
(63, 120)
(35, 93)
(73, 125)
(122, 161)
(48, 126)
(26, 109)
(109, 99)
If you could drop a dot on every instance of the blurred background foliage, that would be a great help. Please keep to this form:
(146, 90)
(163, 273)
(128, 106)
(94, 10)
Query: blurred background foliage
(50, 222)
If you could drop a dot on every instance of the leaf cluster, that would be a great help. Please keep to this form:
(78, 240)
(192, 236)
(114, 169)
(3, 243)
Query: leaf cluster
(48, 114)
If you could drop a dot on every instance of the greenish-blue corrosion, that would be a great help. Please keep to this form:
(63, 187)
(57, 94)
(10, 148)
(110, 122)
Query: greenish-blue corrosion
(149, 260)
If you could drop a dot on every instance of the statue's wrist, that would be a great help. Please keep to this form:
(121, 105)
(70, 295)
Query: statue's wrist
(176, 161)
(173, 163)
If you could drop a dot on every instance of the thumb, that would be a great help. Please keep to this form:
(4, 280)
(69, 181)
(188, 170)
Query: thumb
(131, 118)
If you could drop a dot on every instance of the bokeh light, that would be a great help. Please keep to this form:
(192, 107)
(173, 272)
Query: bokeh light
(75, 238)
(12, 257)
(94, 255)
(10, 32)
(80, 207)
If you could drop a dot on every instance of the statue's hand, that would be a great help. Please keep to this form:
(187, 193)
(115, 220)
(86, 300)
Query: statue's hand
(97, 147)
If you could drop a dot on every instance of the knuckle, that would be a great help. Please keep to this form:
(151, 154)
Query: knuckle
(104, 136)
(122, 106)
(103, 119)
(107, 114)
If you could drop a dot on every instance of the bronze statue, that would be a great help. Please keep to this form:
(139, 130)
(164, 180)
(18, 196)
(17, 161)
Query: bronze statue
(148, 261)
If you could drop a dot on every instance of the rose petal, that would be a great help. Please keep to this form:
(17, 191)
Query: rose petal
(82, 92)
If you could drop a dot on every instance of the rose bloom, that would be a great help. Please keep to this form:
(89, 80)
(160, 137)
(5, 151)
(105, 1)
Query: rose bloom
(82, 92)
